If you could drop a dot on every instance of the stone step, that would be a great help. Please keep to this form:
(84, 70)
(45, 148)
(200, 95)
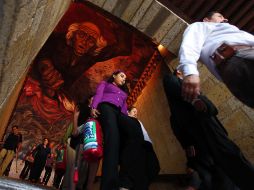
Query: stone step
(16, 184)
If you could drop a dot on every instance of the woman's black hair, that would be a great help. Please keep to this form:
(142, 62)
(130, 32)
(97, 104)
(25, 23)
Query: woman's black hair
(84, 110)
(124, 87)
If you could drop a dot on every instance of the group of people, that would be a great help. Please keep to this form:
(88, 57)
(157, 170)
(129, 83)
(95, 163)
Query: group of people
(37, 159)
(125, 143)
(42, 157)
(129, 161)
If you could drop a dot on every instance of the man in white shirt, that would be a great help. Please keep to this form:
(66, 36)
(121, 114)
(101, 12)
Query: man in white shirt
(133, 112)
(227, 52)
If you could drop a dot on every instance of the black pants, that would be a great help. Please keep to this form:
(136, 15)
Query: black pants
(59, 173)
(117, 128)
(130, 177)
(47, 175)
(238, 75)
(25, 170)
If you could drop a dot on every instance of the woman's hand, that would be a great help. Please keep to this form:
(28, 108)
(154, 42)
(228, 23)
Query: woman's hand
(94, 113)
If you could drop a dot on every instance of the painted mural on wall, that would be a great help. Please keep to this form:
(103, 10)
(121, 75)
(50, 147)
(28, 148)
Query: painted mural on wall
(86, 47)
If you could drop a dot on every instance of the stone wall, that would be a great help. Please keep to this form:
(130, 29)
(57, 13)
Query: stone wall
(237, 118)
(24, 27)
(154, 113)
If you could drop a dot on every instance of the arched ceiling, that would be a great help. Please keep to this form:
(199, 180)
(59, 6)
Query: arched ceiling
(239, 13)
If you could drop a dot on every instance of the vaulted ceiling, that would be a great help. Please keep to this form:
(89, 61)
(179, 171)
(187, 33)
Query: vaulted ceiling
(238, 12)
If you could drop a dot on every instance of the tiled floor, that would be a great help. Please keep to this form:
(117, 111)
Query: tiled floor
(160, 184)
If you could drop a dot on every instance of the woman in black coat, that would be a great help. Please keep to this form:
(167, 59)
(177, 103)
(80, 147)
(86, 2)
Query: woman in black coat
(41, 153)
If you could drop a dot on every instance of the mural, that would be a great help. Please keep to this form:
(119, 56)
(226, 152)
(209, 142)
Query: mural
(86, 47)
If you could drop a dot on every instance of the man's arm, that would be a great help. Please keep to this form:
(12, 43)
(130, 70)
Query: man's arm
(193, 40)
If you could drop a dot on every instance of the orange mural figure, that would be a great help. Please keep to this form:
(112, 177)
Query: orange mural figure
(68, 56)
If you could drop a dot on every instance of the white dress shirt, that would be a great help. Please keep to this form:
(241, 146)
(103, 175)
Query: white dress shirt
(145, 134)
(201, 39)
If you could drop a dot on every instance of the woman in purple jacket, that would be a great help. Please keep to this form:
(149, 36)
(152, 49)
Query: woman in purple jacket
(109, 105)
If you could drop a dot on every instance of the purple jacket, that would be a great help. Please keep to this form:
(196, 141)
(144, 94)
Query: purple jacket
(108, 92)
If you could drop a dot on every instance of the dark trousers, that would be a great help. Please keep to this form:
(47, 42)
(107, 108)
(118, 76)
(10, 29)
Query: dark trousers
(138, 171)
(238, 75)
(205, 176)
(151, 161)
(48, 170)
(59, 173)
(116, 126)
(25, 170)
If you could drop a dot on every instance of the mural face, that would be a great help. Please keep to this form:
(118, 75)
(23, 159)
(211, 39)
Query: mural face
(85, 48)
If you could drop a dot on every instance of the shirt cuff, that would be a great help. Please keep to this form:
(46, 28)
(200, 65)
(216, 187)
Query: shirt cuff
(189, 70)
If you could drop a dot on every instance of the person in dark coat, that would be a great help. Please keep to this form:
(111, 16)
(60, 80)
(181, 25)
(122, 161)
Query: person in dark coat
(129, 177)
(11, 146)
(199, 121)
(41, 153)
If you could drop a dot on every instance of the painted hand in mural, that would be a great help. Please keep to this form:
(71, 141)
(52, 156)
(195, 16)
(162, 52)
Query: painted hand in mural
(51, 79)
